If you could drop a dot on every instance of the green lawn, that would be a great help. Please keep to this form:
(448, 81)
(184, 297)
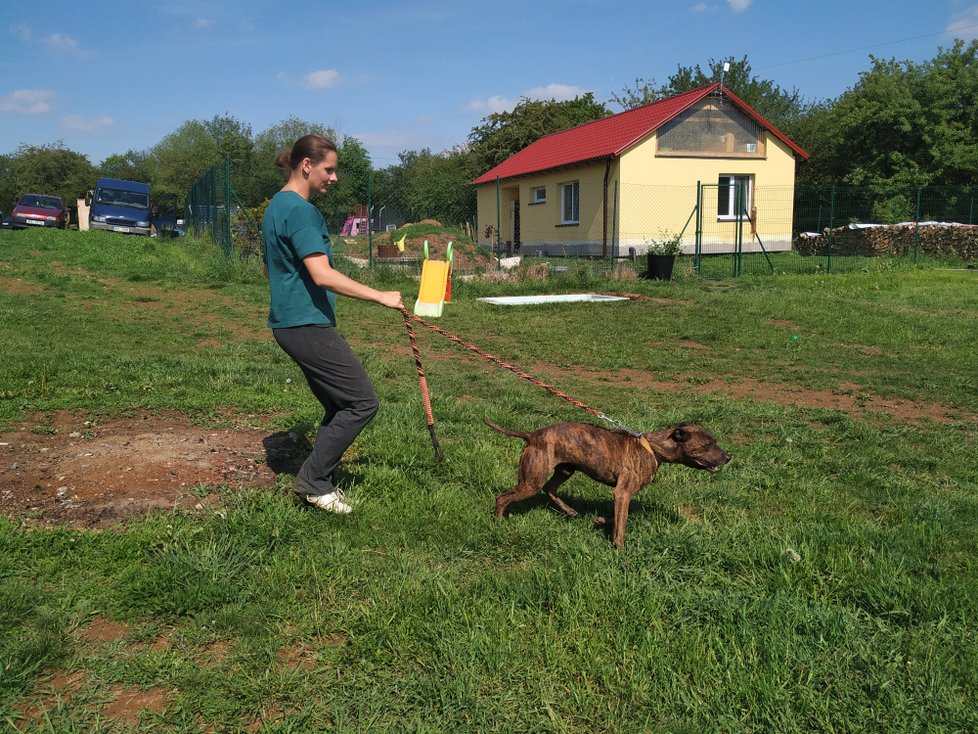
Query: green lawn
(826, 580)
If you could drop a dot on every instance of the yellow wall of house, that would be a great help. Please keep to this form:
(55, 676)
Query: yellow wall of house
(656, 197)
(660, 196)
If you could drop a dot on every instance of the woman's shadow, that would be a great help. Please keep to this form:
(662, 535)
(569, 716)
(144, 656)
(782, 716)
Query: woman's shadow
(285, 451)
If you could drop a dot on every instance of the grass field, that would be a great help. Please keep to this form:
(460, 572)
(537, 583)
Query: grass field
(826, 580)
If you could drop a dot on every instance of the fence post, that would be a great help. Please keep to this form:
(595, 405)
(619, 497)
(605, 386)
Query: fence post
(828, 261)
(499, 225)
(227, 206)
(698, 238)
(370, 229)
(614, 230)
(739, 228)
(916, 228)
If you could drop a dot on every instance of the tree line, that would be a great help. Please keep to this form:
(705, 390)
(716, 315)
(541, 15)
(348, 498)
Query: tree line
(902, 124)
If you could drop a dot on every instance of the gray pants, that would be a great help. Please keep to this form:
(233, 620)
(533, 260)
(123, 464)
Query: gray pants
(340, 383)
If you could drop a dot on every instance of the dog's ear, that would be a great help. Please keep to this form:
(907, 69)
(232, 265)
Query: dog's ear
(679, 435)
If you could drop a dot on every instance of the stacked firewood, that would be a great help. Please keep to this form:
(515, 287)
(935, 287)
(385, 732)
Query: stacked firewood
(933, 238)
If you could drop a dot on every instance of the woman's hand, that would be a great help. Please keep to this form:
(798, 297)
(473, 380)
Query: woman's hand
(391, 299)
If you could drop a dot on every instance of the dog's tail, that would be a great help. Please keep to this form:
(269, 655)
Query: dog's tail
(507, 431)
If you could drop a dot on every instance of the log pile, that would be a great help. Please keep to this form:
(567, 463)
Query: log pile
(933, 238)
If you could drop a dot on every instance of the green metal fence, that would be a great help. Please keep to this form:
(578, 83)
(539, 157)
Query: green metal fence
(213, 209)
(731, 228)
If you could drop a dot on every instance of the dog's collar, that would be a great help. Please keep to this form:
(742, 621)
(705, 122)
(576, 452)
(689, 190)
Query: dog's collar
(645, 445)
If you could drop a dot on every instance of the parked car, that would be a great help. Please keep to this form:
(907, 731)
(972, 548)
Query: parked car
(39, 210)
(117, 205)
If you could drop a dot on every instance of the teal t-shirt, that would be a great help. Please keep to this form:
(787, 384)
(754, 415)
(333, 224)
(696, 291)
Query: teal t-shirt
(293, 229)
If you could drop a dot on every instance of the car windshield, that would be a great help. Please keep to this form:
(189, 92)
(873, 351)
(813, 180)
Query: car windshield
(120, 197)
(41, 202)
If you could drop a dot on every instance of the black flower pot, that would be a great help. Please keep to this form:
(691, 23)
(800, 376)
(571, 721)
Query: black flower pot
(659, 267)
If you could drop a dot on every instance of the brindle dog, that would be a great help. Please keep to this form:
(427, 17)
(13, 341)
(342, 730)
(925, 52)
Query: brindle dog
(619, 459)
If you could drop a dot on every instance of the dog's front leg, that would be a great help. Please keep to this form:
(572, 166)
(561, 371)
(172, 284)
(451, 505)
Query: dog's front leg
(626, 488)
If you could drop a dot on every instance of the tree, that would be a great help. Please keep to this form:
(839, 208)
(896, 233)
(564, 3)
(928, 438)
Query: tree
(781, 108)
(181, 157)
(502, 134)
(51, 169)
(645, 92)
(130, 166)
(351, 188)
(8, 190)
(233, 141)
(266, 177)
(902, 125)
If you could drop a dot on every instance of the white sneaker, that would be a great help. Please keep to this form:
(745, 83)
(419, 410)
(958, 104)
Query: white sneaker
(332, 502)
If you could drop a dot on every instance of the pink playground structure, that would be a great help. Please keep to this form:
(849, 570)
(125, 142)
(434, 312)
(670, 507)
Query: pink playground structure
(353, 226)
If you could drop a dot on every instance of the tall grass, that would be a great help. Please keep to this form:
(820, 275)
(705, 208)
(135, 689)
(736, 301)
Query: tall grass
(824, 581)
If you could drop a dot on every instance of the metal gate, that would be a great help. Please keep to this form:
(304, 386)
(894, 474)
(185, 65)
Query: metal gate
(725, 228)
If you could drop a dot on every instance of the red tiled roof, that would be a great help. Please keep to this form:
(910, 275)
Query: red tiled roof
(611, 136)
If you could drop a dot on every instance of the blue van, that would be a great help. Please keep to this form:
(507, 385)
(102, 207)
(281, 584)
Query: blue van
(119, 206)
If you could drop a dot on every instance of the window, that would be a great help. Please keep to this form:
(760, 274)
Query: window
(539, 195)
(570, 203)
(712, 128)
(733, 196)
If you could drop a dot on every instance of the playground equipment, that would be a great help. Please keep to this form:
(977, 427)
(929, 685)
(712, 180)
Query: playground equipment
(353, 226)
(434, 284)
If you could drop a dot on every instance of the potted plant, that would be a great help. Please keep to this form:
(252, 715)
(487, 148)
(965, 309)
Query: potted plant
(661, 257)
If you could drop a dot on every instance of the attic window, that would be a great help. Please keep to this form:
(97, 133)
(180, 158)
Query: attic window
(712, 128)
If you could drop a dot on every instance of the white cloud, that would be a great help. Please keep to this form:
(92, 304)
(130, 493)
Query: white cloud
(77, 122)
(27, 101)
(964, 25)
(65, 44)
(204, 23)
(497, 104)
(492, 105)
(739, 6)
(324, 79)
(23, 31)
(559, 92)
(703, 8)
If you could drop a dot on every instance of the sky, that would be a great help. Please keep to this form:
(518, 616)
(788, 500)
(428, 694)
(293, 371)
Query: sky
(104, 77)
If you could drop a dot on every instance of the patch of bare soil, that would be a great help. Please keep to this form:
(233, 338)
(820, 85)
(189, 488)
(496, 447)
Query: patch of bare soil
(847, 397)
(126, 705)
(62, 469)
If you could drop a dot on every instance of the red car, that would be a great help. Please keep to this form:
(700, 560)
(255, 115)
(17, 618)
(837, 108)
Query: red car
(39, 210)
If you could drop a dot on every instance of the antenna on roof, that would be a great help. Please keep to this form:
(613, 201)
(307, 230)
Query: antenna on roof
(723, 70)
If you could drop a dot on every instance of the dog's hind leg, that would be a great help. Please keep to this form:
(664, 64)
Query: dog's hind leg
(561, 474)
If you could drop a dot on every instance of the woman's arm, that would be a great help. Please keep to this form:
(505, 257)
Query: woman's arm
(333, 280)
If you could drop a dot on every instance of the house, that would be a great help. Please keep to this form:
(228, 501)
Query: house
(701, 167)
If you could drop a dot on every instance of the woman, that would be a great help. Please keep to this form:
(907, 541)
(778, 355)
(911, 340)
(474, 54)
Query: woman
(303, 284)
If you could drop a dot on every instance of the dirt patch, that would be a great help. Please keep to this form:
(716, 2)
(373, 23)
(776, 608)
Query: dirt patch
(848, 397)
(64, 469)
(128, 704)
(59, 686)
(101, 629)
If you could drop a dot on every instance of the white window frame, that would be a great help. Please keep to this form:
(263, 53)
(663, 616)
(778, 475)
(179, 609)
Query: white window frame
(727, 194)
(570, 202)
(538, 195)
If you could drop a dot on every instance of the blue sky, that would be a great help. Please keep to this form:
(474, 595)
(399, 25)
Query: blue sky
(105, 76)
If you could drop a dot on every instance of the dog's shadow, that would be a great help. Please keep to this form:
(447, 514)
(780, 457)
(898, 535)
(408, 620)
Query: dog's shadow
(601, 512)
